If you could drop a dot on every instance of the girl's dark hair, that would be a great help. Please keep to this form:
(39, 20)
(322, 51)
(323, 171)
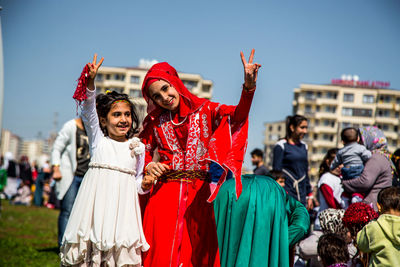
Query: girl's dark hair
(332, 248)
(389, 198)
(103, 106)
(324, 167)
(294, 121)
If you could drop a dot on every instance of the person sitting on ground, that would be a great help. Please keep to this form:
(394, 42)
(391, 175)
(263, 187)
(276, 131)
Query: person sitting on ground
(257, 158)
(381, 238)
(333, 251)
(24, 194)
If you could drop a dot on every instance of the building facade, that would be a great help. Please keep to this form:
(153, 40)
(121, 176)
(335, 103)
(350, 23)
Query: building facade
(344, 103)
(273, 132)
(10, 143)
(129, 81)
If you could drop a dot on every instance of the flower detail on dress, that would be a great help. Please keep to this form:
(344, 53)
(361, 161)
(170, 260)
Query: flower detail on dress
(137, 147)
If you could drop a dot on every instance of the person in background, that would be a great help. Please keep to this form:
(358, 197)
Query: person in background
(352, 156)
(396, 162)
(290, 157)
(24, 194)
(257, 159)
(332, 249)
(378, 170)
(70, 160)
(278, 176)
(25, 170)
(13, 179)
(381, 238)
(355, 218)
(3, 179)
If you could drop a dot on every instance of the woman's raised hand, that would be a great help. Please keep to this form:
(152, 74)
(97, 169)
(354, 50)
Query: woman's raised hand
(250, 71)
(94, 66)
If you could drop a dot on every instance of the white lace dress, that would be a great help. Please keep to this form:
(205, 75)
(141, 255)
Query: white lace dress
(105, 226)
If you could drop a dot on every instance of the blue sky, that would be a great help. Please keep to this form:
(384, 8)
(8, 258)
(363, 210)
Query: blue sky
(47, 42)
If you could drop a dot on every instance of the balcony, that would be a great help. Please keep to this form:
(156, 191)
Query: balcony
(323, 129)
(387, 120)
(327, 101)
(391, 135)
(326, 115)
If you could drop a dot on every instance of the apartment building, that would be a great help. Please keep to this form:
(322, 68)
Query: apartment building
(273, 132)
(129, 80)
(10, 143)
(346, 102)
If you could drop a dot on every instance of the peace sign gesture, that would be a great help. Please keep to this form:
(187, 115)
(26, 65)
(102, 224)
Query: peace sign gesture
(94, 66)
(250, 71)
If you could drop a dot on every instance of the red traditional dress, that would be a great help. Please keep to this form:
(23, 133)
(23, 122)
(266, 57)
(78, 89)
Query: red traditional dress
(179, 222)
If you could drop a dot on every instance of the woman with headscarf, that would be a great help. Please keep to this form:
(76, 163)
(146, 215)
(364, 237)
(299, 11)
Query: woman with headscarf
(189, 133)
(378, 170)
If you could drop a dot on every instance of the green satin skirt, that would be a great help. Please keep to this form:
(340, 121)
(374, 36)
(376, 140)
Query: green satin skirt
(253, 230)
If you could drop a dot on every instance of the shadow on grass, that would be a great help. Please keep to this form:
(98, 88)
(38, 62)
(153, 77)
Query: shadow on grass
(55, 250)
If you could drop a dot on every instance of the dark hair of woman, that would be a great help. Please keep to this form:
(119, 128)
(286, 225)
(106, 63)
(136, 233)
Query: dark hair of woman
(294, 121)
(103, 107)
(324, 167)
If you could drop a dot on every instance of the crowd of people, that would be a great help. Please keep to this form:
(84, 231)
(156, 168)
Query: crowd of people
(170, 191)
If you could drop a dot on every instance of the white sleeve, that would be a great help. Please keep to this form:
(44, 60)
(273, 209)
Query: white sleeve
(61, 142)
(91, 120)
(139, 173)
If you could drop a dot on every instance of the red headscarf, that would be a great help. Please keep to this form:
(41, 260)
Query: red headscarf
(228, 155)
(188, 102)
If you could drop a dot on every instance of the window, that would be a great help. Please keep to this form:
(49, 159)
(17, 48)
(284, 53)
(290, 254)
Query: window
(368, 99)
(310, 96)
(347, 112)
(394, 142)
(135, 79)
(117, 89)
(315, 136)
(396, 128)
(108, 76)
(135, 93)
(318, 108)
(119, 77)
(279, 127)
(270, 128)
(348, 97)
(383, 113)
(346, 124)
(330, 109)
(326, 122)
(385, 98)
(331, 95)
(360, 112)
(385, 127)
(189, 84)
(319, 94)
(307, 109)
(316, 122)
(398, 100)
(206, 88)
(99, 77)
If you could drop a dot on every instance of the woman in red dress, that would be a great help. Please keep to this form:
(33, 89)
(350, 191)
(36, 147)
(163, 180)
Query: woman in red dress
(191, 135)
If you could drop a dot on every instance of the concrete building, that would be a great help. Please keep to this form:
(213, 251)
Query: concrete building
(273, 132)
(10, 143)
(34, 149)
(346, 102)
(129, 80)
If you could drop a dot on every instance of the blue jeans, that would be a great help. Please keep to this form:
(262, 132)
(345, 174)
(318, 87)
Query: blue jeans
(351, 172)
(66, 206)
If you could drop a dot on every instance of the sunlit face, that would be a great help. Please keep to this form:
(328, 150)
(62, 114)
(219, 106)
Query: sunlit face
(118, 121)
(300, 131)
(164, 95)
(255, 160)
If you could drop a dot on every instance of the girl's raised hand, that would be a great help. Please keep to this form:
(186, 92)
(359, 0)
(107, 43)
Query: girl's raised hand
(94, 66)
(250, 71)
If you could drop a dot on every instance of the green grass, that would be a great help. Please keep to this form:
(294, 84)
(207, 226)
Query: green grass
(28, 236)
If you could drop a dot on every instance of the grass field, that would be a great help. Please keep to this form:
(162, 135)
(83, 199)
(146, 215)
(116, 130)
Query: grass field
(28, 236)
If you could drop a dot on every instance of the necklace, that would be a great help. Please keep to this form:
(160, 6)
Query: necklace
(176, 124)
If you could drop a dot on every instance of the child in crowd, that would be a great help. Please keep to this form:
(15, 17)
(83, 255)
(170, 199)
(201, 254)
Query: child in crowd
(105, 225)
(381, 238)
(355, 218)
(278, 176)
(352, 156)
(332, 249)
(24, 194)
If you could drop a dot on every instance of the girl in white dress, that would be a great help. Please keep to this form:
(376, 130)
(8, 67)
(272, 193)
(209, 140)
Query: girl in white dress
(105, 226)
